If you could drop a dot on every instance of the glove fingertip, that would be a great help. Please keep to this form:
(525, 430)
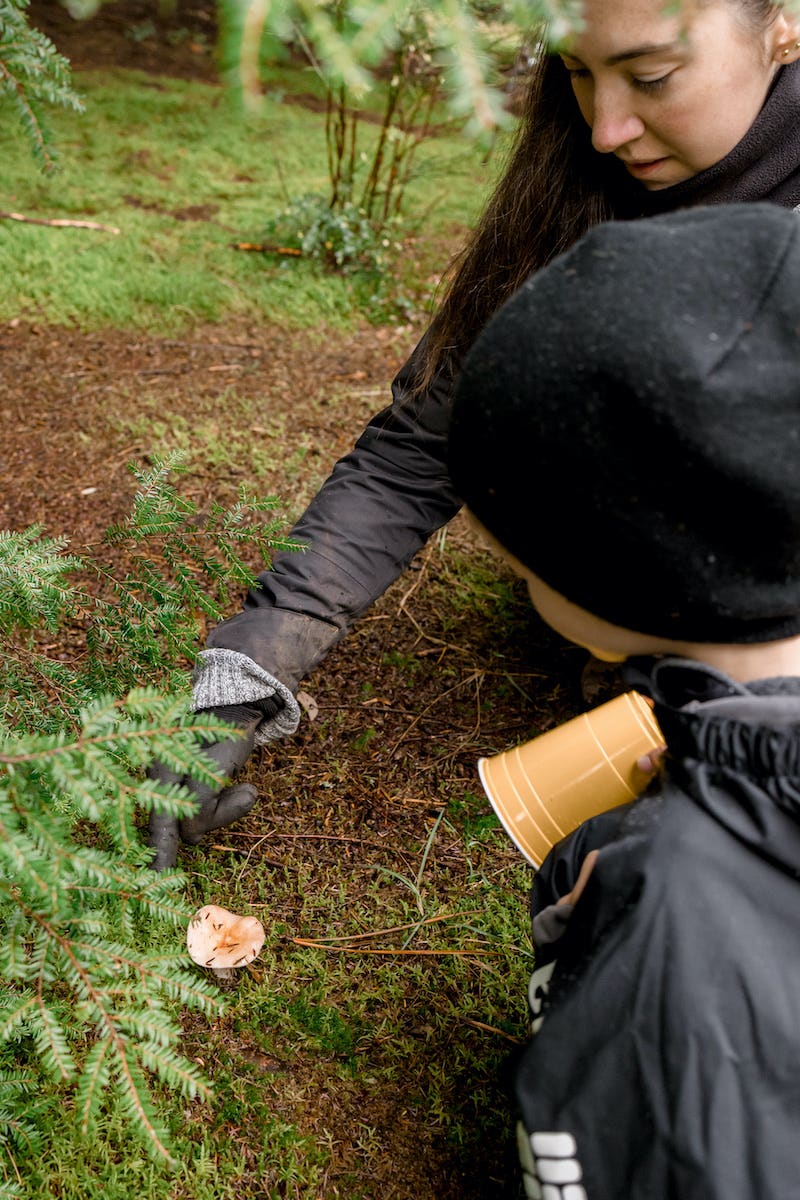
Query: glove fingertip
(163, 839)
(234, 802)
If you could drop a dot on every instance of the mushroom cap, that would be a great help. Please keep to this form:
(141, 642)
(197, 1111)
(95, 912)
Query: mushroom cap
(218, 938)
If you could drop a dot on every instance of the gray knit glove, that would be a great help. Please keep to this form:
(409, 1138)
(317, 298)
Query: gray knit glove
(228, 678)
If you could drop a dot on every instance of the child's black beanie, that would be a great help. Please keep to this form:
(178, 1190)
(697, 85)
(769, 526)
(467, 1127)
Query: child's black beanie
(628, 424)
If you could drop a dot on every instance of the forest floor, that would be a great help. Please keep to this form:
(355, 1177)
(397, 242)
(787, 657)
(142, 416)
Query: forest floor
(449, 665)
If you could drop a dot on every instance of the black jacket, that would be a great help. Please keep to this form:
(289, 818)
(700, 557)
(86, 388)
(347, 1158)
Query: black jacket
(667, 1056)
(376, 510)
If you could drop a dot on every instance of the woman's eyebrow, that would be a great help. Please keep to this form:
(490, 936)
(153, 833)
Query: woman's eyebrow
(642, 51)
(635, 52)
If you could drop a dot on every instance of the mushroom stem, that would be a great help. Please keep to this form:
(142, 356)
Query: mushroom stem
(223, 974)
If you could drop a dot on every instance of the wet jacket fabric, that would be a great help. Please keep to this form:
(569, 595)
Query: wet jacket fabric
(376, 510)
(666, 1059)
(392, 491)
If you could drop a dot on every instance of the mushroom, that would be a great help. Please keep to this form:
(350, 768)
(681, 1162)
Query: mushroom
(221, 941)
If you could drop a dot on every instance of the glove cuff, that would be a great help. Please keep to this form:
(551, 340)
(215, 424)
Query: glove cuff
(225, 677)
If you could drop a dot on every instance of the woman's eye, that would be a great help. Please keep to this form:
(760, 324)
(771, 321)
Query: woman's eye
(651, 85)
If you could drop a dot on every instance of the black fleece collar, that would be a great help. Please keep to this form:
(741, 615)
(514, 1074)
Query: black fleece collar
(765, 165)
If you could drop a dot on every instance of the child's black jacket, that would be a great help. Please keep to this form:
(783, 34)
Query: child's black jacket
(669, 1055)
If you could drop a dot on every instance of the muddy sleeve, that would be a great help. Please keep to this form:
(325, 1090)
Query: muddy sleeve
(550, 923)
(380, 504)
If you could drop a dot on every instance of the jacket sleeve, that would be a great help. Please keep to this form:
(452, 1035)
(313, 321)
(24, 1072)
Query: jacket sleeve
(378, 507)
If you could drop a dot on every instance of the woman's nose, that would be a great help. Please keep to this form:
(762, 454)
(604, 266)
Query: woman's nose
(614, 122)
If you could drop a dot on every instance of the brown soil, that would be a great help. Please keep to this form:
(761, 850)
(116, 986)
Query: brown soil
(435, 687)
(136, 34)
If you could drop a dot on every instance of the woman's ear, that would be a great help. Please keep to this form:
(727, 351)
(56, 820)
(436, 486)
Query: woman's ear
(785, 38)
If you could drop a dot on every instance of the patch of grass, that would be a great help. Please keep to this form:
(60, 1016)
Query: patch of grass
(236, 435)
(183, 174)
(480, 582)
(278, 1156)
(229, 437)
(324, 1026)
(406, 663)
(348, 1034)
(478, 821)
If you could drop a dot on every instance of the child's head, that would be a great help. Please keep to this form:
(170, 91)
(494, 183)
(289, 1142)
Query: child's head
(627, 427)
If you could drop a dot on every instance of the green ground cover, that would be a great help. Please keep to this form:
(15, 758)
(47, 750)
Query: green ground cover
(336, 1072)
(183, 173)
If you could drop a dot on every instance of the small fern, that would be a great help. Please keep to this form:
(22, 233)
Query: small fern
(183, 567)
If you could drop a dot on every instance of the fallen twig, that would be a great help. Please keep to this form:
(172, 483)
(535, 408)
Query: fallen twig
(265, 248)
(357, 937)
(420, 576)
(437, 642)
(59, 222)
(493, 1029)
(374, 950)
(312, 837)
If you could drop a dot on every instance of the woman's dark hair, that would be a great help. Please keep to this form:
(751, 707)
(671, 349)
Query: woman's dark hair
(553, 189)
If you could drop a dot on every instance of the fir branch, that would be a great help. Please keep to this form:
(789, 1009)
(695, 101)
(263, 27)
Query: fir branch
(137, 1105)
(16, 1011)
(19, 1109)
(92, 1087)
(26, 865)
(33, 589)
(81, 1002)
(176, 1072)
(51, 1039)
(33, 74)
(15, 964)
(49, 1035)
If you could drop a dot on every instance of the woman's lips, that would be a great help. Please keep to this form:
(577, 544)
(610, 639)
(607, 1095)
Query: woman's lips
(645, 167)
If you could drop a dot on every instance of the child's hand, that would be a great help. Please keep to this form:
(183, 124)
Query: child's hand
(648, 764)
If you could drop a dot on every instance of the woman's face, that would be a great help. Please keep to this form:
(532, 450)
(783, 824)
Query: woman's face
(670, 89)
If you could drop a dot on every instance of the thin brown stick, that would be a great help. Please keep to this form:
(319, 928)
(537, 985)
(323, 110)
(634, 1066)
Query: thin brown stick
(59, 222)
(493, 1029)
(420, 576)
(267, 248)
(374, 950)
(302, 837)
(357, 937)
